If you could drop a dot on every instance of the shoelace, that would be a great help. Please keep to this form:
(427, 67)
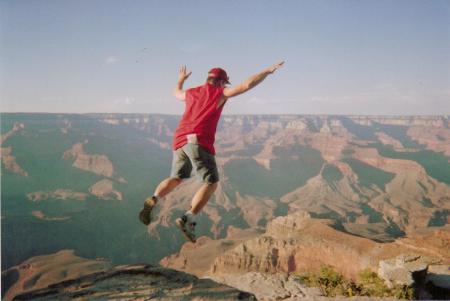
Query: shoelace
(191, 225)
(184, 218)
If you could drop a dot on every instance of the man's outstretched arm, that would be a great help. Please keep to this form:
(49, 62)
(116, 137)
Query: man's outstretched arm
(251, 82)
(178, 92)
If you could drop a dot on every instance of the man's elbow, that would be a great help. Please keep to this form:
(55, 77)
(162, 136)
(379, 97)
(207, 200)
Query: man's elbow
(179, 95)
(246, 86)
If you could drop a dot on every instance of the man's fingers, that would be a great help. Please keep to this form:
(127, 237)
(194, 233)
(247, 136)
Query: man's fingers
(279, 64)
(183, 70)
(183, 73)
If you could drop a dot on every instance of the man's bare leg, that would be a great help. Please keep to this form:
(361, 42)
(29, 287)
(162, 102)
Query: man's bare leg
(167, 186)
(162, 190)
(186, 223)
(202, 196)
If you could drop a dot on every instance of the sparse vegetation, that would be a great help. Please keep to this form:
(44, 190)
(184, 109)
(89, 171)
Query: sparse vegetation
(372, 285)
(332, 283)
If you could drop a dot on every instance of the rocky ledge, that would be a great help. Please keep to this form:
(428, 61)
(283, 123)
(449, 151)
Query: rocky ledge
(137, 282)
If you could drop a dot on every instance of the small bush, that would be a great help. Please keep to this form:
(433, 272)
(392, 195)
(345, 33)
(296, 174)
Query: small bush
(330, 283)
(376, 287)
(373, 285)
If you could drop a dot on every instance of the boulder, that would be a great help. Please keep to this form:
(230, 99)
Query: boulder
(438, 281)
(267, 286)
(439, 275)
(403, 270)
(138, 282)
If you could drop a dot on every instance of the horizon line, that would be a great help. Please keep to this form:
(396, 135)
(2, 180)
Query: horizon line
(231, 114)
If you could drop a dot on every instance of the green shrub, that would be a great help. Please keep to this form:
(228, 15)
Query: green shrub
(373, 285)
(332, 283)
(376, 287)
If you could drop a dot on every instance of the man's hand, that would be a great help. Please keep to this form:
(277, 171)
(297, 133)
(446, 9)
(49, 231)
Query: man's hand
(178, 92)
(275, 67)
(183, 73)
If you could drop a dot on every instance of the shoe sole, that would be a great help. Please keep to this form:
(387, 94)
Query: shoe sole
(141, 219)
(142, 216)
(180, 226)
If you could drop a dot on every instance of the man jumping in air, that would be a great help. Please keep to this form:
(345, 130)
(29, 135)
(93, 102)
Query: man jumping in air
(193, 142)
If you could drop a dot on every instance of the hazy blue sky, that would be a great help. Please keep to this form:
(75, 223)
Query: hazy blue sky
(342, 57)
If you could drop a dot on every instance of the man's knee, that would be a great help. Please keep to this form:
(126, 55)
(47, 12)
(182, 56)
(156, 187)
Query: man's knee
(176, 180)
(212, 186)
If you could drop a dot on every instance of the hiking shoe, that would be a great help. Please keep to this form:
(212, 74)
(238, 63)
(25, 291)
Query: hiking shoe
(187, 227)
(145, 216)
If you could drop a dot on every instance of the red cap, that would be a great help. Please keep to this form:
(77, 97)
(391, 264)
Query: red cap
(218, 73)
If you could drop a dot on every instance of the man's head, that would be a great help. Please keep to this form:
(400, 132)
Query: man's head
(217, 77)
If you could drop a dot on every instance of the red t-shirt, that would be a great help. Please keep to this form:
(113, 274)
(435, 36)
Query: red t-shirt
(200, 117)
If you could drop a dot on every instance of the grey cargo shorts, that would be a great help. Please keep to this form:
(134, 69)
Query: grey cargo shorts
(193, 156)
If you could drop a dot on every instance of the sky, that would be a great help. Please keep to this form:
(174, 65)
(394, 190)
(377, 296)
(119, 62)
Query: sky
(342, 57)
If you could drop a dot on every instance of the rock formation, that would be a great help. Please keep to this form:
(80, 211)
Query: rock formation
(41, 271)
(430, 281)
(16, 127)
(271, 286)
(104, 190)
(59, 194)
(98, 164)
(382, 178)
(403, 270)
(295, 243)
(434, 138)
(9, 161)
(137, 282)
(40, 215)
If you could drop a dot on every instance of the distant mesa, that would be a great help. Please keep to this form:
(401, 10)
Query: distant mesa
(122, 180)
(435, 139)
(427, 121)
(98, 164)
(104, 189)
(8, 160)
(388, 140)
(16, 127)
(111, 121)
(163, 145)
(38, 214)
(66, 127)
(59, 194)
